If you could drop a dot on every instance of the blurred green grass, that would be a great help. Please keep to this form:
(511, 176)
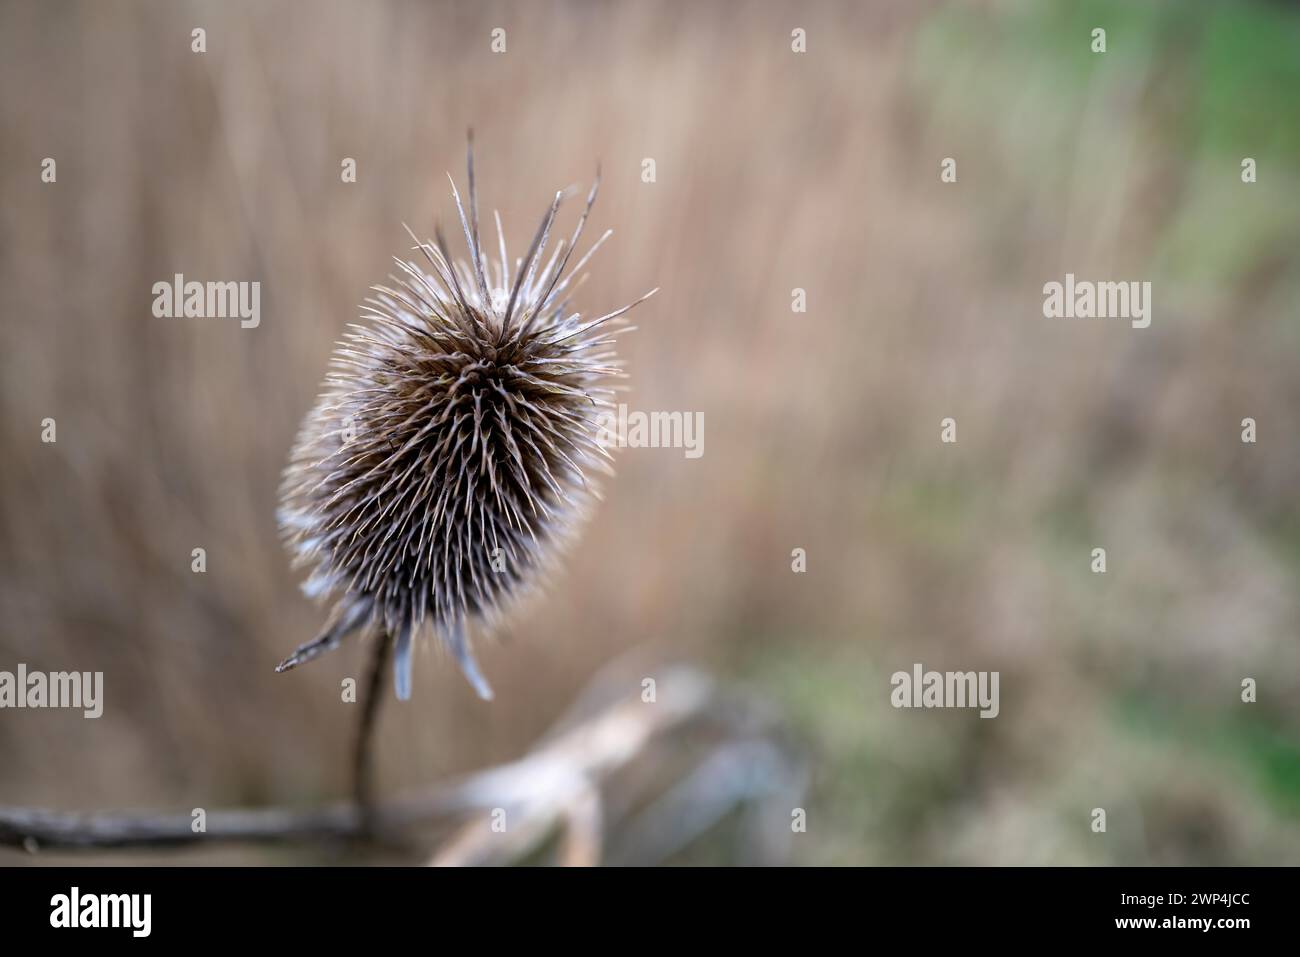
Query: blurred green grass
(1217, 82)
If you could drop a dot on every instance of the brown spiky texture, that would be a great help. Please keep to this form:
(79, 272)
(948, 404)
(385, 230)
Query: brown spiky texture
(452, 453)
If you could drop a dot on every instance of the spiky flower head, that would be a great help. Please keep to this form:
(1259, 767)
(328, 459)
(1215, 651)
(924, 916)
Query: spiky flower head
(451, 455)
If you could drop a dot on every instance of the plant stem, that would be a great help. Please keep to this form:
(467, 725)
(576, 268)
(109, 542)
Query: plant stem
(363, 756)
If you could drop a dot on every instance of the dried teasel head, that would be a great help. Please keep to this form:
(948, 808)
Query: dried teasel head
(452, 453)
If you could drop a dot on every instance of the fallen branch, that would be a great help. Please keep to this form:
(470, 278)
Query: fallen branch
(504, 813)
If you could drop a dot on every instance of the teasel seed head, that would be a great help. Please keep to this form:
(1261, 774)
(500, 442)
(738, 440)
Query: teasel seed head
(454, 451)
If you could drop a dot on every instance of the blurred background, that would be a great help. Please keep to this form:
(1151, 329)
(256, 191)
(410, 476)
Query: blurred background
(775, 170)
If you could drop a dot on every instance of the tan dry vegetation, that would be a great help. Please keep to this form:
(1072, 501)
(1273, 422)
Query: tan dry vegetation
(774, 171)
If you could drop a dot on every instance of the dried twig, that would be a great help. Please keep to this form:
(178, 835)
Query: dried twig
(362, 758)
(506, 813)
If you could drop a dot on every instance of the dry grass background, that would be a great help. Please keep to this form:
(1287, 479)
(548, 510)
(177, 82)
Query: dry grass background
(774, 171)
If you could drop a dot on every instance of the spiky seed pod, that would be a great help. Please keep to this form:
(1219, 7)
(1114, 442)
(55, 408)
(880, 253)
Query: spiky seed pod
(452, 452)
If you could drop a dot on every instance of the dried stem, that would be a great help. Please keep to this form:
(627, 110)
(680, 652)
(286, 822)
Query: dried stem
(363, 755)
(556, 788)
